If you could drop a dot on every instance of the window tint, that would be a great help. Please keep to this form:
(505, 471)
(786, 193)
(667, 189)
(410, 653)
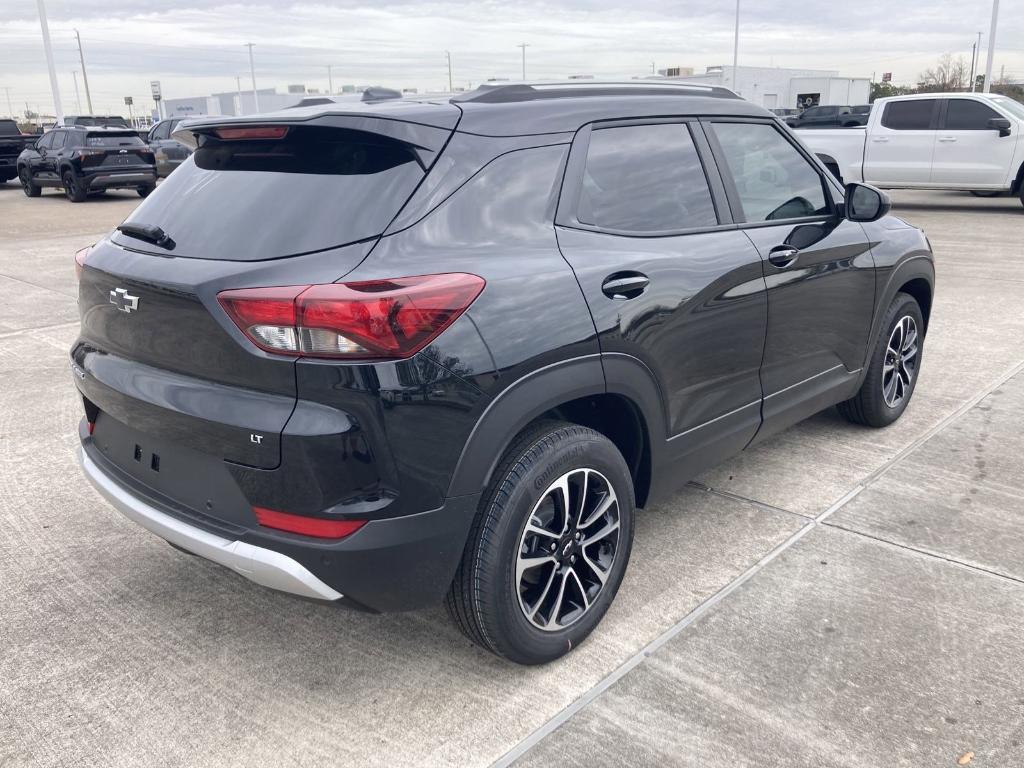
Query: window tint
(968, 115)
(773, 179)
(113, 140)
(58, 139)
(46, 142)
(162, 131)
(908, 115)
(254, 199)
(645, 179)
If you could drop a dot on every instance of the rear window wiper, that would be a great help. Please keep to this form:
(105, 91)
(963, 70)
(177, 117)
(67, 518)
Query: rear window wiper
(148, 232)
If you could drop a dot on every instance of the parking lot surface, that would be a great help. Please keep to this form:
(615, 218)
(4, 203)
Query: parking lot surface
(836, 596)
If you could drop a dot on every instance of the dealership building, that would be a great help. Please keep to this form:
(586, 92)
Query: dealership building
(775, 87)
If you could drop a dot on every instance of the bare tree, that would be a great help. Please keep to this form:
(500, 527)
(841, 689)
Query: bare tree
(948, 75)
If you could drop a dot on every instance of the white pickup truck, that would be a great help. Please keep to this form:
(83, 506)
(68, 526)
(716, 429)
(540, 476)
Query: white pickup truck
(969, 141)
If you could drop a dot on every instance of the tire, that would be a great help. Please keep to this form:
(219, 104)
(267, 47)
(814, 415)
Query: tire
(885, 394)
(144, 191)
(522, 617)
(28, 187)
(73, 188)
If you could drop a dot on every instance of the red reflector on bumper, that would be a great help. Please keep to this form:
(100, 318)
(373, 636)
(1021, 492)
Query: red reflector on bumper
(307, 526)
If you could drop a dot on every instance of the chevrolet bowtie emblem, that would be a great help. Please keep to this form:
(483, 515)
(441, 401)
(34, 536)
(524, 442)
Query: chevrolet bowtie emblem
(123, 300)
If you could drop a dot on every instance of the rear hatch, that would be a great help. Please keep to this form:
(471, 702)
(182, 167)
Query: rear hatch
(299, 205)
(114, 149)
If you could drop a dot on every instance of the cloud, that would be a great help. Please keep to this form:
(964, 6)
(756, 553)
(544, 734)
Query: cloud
(196, 46)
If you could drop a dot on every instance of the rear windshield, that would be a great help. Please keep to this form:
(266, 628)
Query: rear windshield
(113, 140)
(9, 128)
(253, 199)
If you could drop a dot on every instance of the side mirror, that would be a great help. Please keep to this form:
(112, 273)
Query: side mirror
(1000, 124)
(865, 203)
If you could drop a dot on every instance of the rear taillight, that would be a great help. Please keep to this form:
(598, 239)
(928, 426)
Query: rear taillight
(373, 319)
(91, 156)
(306, 526)
(80, 258)
(252, 132)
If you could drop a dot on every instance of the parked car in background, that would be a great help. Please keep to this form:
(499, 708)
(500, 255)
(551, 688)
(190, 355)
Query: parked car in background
(12, 143)
(169, 152)
(97, 121)
(389, 353)
(828, 117)
(968, 141)
(785, 111)
(87, 160)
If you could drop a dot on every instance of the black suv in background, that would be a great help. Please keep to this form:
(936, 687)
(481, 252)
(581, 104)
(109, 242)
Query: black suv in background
(87, 160)
(12, 142)
(387, 354)
(830, 117)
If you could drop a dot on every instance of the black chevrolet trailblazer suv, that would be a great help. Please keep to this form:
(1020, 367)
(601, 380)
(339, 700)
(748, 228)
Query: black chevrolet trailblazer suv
(385, 354)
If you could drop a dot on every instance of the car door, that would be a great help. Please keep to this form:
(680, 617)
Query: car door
(900, 146)
(669, 280)
(158, 140)
(967, 151)
(38, 160)
(819, 270)
(51, 167)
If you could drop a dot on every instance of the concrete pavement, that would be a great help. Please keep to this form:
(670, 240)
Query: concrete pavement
(119, 650)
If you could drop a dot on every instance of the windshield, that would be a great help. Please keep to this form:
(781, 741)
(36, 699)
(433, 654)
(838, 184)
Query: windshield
(1015, 108)
(102, 122)
(251, 199)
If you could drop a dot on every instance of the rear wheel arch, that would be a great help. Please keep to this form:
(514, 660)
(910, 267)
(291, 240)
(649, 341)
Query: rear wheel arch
(626, 411)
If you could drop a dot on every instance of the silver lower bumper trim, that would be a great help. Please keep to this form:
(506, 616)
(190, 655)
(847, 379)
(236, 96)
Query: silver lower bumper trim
(264, 566)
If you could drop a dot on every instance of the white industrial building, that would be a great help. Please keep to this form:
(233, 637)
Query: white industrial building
(234, 102)
(774, 87)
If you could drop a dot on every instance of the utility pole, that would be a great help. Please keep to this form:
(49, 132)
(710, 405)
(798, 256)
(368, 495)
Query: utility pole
(85, 77)
(238, 86)
(78, 101)
(10, 107)
(524, 46)
(736, 45)
(451, 88)
(252, 72)
(991, 45)
(57, 109)
(330, 81)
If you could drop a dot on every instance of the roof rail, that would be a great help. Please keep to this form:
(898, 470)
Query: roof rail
(504, 93)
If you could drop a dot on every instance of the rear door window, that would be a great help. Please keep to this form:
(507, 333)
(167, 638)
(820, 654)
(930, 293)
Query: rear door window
(645, 179)
(968, 115)
(915, 115)
(250, 199)
(772, 179)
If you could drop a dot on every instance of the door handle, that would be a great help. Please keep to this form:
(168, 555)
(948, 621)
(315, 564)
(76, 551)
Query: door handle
(947, 138)
(880, 139)
(783, 256)
(624, 285)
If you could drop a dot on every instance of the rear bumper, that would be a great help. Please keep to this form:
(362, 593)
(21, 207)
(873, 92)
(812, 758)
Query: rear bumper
(264, 566)
(108, 179)
(392, 564)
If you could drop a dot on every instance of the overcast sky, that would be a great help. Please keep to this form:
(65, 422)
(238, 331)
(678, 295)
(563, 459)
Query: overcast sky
(195, 47)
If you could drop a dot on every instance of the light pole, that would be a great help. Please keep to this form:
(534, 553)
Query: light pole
(330, 81)
(252, 72)
(57, 109)
(10, 107)
(451, 88)
(736, 45)
(991, 45)
(238, 87)
(85, 77)
(78, 101)
(524, 46)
